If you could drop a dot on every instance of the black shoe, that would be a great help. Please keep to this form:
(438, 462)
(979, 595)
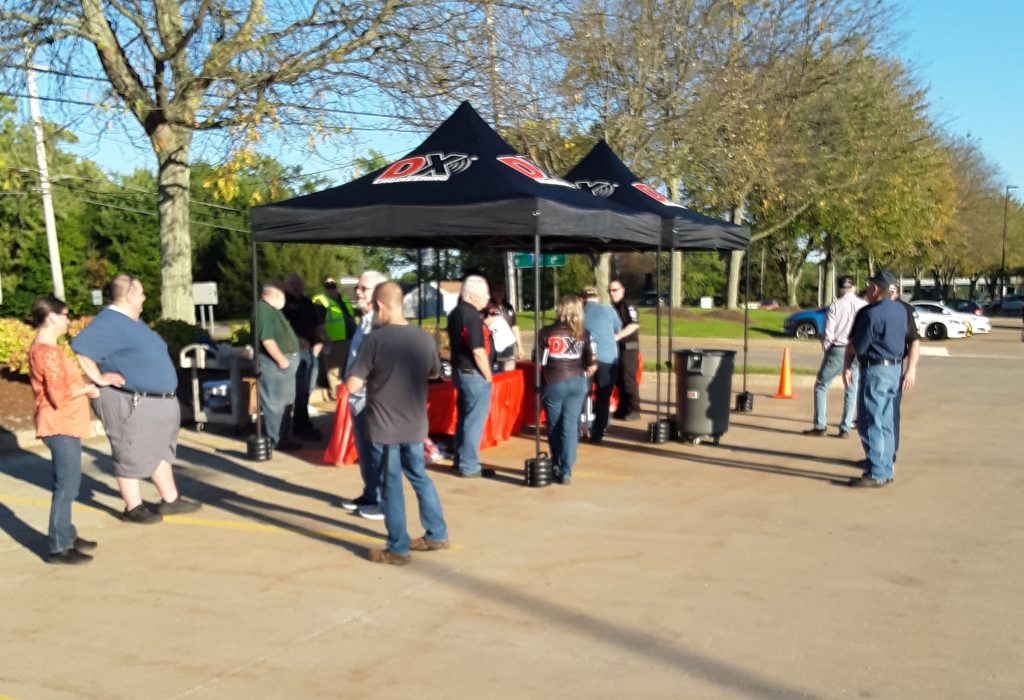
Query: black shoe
(141, 514)
(69, 556)
(596, 439)
(815, 432)
(309, 433)
(288, 446)
(476, 475)
(563, 480)
(633, 416)
(357, 503)
(843, 434)
(83, 545)
(178, 505)
(866, 482)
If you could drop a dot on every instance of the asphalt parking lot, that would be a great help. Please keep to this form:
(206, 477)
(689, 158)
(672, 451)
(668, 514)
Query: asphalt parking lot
(664, 571)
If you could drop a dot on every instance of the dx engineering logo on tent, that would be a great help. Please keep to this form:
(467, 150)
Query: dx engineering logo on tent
(440, 167)
(430, 167)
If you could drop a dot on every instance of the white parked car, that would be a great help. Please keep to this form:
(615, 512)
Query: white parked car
(935, 322)
(974, 323)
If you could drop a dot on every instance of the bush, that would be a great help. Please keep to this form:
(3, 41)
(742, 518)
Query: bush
(16, 337)
(178, 334)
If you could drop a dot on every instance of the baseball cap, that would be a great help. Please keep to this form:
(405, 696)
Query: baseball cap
(885, 280)
(329, 282)
(846, 283)
(589, 292)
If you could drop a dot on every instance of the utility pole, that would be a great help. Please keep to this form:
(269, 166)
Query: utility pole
(44, 182)
(1002, 261)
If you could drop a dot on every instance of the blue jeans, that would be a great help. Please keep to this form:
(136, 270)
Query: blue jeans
(832, 367)
(896, 420)
(305, 378)
(66, 453)
(277, 394)
(604, 382)
(474, 403)
(369, 459)
(563, 402)
(396, 459)
(876, 401)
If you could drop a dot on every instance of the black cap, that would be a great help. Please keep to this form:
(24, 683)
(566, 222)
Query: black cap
(846, 283)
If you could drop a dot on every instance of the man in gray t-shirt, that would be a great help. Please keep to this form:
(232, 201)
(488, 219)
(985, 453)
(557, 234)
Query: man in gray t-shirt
(394, 364)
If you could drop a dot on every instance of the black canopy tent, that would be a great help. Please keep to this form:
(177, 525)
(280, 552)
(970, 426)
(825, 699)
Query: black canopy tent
(604, 174)
(463, 187)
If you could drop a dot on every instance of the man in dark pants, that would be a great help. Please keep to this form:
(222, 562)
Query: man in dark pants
(877, 342)
(394, 364)
(629, 353)
(470, 344)
(603, 324)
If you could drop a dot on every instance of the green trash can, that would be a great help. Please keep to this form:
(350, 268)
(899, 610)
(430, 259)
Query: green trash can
(703, 392)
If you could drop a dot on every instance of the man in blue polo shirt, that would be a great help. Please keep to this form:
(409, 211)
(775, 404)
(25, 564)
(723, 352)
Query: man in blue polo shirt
(137, 405)
(877, 342)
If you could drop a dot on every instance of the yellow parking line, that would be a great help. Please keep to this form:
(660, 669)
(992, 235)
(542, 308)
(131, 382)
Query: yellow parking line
(237, 525)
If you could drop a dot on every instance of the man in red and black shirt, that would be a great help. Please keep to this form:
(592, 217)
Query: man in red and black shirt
(470, 344)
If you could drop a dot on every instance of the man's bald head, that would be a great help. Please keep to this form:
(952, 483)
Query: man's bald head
(388, 300)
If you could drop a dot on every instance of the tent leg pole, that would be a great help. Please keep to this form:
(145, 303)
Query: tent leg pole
(657, 332)
(420, 306)
(537, 357)
(671, 359)
(437, 299)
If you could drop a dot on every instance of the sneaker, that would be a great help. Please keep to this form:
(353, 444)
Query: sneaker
(477, 475)
(815, 432)
(384, 556)
(69, 556)
(422, 544)
(84, 545)
(356, 503)
(178, 505)
(563, 480)
(866, 482)
(142, 515)
(370, 512)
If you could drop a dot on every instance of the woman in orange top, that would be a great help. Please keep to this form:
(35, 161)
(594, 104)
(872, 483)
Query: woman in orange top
(62, 420)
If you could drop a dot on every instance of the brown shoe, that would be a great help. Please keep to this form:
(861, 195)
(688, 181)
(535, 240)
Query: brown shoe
(384, 556)
(422, 544)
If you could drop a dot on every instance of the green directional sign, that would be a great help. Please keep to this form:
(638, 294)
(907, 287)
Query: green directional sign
(525, 260)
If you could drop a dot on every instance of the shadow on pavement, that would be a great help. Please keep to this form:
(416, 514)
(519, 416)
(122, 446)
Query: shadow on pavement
(631, 641)
(23, 533)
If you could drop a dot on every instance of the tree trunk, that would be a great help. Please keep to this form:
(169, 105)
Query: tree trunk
(172, 146)
(792, 273)
(735, 266)
(676, 299)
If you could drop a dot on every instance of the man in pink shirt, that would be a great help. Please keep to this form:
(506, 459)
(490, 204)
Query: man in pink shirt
(838, 323)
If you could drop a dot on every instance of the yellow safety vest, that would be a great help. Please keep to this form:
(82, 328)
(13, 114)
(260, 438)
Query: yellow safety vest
(337, 318)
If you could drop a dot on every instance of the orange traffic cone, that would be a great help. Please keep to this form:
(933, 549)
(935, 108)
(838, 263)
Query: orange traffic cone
(785, 378)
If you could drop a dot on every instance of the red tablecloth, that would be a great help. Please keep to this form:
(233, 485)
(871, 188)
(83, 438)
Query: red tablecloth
(504, 419)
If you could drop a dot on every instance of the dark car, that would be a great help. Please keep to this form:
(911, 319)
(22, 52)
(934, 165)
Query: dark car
(806, 324)
(965, 306)
(652, 299)
(1008, 306)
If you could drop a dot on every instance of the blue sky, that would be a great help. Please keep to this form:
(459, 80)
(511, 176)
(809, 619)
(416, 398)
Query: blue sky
(968, 53)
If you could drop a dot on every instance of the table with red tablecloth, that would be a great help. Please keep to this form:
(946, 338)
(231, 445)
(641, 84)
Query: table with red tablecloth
(504, 419)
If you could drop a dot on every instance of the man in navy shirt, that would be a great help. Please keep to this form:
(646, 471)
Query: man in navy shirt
(128, 360)
(877, 341)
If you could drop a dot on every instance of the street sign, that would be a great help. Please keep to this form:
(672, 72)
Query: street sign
(525, 260)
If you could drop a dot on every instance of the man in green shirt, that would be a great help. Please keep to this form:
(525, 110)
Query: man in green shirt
(278, 362)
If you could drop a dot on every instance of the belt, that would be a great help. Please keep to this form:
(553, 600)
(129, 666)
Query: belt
(887, 363)
(468, 371)
(146, 394)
